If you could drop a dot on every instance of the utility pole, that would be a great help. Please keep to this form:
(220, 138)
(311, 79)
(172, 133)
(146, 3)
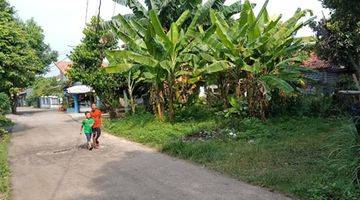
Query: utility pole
(99, 12)
(86, 11)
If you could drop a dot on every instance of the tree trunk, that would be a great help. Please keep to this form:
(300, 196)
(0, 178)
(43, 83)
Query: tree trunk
(171, 99)
(112, 113)
(256, 99)
(238, 89)
(222, 84)
(132, 101)
(14, 103)
(356, 81)
(157, 103)
(159, 111)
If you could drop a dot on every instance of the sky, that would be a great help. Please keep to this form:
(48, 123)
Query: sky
(64, 20)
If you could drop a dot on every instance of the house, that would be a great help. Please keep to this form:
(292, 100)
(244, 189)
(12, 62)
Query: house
(49, 102)
(78, 97)
(63, 67)
(324, 75)
(21, 97)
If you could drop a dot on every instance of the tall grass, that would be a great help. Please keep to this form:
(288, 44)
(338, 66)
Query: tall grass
(306, 157)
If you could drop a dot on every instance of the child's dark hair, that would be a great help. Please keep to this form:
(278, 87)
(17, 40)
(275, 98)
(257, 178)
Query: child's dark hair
(87, 112)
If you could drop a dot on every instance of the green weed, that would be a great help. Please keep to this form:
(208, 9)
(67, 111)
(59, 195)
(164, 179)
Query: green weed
(307, 157)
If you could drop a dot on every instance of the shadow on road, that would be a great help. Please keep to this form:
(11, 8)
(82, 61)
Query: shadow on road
(141, 175)
(19, 127)
(135, 175)
(32, 111)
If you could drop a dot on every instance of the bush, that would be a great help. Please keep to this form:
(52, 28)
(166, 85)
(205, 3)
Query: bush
(194, 112)
(303, 105)
(5, 104)
(5, 122)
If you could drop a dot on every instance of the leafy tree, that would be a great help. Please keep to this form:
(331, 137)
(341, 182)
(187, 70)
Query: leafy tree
(88, 67)
(262, 53)
(36, 41)
(339, 43)
(339, 36)
(23, 53)
(165, 55)
(45, 87)
(133, 78)
(5, 104)
(257, 53)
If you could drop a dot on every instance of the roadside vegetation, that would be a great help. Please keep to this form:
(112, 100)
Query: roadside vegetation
(24, 56)
(304, 157)
(23, 53)
(4, 140)
(235, 94)
(263, 124)
(4, 168)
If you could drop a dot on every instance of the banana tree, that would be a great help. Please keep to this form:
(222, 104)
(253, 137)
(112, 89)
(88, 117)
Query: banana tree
(169, 11)
(163, 54)
(133, 78)
(262, 51)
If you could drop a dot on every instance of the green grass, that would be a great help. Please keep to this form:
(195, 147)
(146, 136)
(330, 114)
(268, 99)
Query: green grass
(145, 129)
(305, 157)
(4, 167)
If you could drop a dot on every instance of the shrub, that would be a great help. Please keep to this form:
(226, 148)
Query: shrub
(4, 123)
(303, 105)
(5, 104)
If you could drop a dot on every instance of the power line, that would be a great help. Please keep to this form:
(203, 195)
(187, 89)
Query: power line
(98, 16)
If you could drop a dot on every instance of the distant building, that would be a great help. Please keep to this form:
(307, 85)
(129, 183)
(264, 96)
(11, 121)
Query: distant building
(63, 67)
(325, 75)
(49, 102)
(21, 99)
(78, 97)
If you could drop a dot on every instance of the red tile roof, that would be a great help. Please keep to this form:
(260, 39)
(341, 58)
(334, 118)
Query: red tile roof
(64, 66)
(314, 62)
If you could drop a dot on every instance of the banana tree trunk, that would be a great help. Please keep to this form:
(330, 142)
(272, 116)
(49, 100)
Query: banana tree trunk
(238, 89)
(171, 98)
(223, 88)
(132, 101)
(158, 106)
(159, 111)
(257, 103)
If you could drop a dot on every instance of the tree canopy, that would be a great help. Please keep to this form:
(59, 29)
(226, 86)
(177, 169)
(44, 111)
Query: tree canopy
(260, 52)
(88, 64)
(43, 86)
(23, 52)
(339, 36)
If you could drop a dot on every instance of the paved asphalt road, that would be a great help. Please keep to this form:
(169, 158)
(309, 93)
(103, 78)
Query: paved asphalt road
(48, 162)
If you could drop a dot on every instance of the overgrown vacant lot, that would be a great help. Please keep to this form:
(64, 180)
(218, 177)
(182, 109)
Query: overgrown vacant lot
(309, 158)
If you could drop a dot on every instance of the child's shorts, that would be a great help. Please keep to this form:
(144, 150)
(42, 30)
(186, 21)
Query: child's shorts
(88, 136)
